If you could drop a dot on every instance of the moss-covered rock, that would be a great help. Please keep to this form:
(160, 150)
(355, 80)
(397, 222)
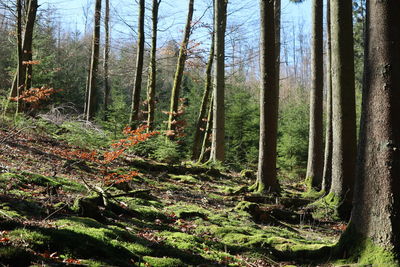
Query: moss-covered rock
(326, 207)
(162, 262)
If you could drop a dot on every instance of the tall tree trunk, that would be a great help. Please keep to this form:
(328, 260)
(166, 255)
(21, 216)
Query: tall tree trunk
(24, 71)
(92, 100)
(269, 94)
(20, 79)
(139, 67)
(375, 215)
(327, 173)
(277, 15)
(218, 135)
(152, 79)
(173, 111)
(315, 163)
(204, 104)
(343, 99)
(207, 132)
(106, 58)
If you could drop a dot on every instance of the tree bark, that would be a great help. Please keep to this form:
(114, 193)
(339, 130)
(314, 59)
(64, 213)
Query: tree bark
(315, 145)
(106, 58)
(375, 214)
(201, 124)
(23, 78)
(20, 79)
(327, 172)
(92, 96)
(269, 94)
(207, 132)
(218, 133)
(343, 99)
(152, 79)
(277, 15)
(183, 53)
(139, 68)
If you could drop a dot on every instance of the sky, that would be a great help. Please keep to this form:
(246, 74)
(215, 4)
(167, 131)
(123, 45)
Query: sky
(242, 30)
(172, 14)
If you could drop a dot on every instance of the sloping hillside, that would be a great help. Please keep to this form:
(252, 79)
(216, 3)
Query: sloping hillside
(56, 210)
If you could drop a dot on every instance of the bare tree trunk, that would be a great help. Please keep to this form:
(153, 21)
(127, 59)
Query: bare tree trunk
(20, 80)
(152, 79)
(327, 173)
(106, 58)
(315, 147)
(376, 201)
(277, 15)
(139, 67)
(218, 135)
(204, 104)
(92, 100)
(207, 132)
(269, 94)
(343, 112)
(24, 71)
(173, 111)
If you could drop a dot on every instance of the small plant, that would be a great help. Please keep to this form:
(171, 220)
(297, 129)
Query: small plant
(158, 148)
(33, 97)
(106, 159)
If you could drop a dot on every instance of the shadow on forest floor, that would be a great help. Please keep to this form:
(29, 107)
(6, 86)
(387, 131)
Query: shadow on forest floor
(167, 216)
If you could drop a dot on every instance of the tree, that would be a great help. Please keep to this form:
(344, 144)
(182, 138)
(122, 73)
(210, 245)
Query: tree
(269, 94)
(218, 133)
(327, 172)
(152, 79)
(20, 78)
(277, 15)
(207, 132)
(23, 78)
(201, 119)
(139, 66)
(173, 110)
(106, 57)
(92, 92)
(343, 111)
(315, 145)
(374, 217)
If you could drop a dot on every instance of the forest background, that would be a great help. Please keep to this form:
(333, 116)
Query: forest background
(62, 42)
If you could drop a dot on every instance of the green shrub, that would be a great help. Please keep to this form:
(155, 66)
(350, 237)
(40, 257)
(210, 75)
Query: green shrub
(84, 135)
(159, 148)
(293, 139)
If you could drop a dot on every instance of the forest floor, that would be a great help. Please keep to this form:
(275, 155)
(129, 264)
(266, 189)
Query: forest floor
(53, 212)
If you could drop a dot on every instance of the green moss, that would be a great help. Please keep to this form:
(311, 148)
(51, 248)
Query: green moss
(326, 207)
(163, 262)
(249, 174)
(79, 222)
(246, 206)
(184, 210)
(6, 211)
(376, 255)
(24, 178)
(184, 178)
(31, 238)
(213, 196)
(136, 248)
(312, 194)
(232, 190)
(146, 210)
(363, 251)
(181, 241)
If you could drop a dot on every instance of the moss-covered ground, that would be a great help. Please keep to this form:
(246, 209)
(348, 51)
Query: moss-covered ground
(50, 214)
